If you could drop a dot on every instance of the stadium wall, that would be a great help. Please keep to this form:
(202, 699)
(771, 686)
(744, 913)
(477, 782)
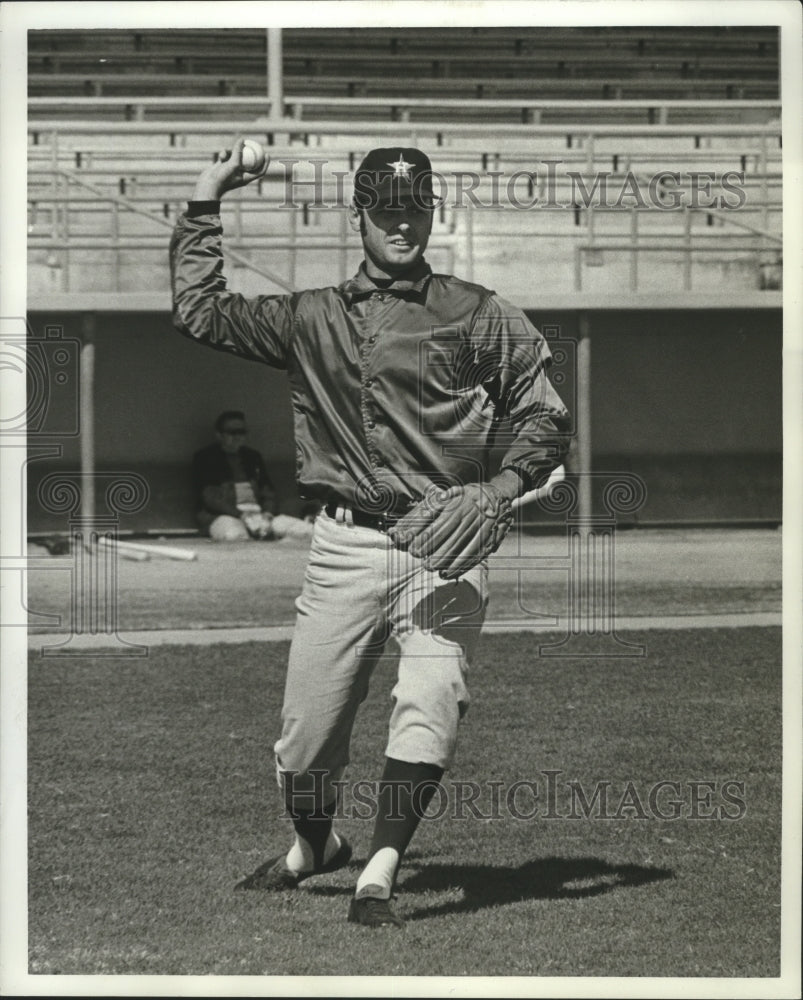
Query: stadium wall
(688, 399)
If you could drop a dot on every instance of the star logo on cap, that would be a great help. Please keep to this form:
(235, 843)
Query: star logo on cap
(401, 168)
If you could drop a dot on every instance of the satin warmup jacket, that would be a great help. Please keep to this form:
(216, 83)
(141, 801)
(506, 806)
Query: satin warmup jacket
(432, 379)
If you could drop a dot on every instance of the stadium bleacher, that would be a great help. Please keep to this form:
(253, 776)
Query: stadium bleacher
(523, 62)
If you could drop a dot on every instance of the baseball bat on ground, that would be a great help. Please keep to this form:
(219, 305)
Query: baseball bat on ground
(133, 554)
(165, 551)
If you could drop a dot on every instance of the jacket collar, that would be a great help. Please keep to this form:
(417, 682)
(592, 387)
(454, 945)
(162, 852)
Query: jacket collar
(361, 285)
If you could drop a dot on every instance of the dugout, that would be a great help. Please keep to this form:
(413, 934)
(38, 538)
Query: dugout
(685, 395)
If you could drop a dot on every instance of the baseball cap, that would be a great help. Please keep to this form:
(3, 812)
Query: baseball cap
(387, 173)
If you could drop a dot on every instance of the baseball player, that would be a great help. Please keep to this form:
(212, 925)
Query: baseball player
(405, 385)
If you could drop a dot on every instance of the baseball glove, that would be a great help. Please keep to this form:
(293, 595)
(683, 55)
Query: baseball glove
(453, 530)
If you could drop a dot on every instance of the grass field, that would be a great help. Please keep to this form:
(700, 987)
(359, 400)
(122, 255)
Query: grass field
(151, 794)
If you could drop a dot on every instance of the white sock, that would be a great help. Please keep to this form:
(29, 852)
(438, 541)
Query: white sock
(379, 872)
(300, 857)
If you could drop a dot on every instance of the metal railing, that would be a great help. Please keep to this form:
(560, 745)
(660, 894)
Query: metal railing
(177, 130)
(756, 143)
(401, 109)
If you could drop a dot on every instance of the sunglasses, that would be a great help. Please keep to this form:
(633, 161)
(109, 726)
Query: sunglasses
(234, 431)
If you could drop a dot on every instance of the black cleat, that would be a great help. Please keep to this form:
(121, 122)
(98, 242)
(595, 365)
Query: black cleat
(371, 911)
(275, 876)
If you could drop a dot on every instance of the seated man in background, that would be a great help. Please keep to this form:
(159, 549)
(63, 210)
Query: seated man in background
(234, 494)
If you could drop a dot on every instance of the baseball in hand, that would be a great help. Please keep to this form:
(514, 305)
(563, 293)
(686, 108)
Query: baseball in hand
(253, 157)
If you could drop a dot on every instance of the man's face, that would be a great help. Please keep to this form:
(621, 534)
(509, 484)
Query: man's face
(232, 436)
(394, 235)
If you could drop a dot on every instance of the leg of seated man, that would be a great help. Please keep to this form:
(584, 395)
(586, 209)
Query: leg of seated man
(226, 528)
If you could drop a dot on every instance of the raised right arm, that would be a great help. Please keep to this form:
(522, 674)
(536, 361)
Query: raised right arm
(258, 328)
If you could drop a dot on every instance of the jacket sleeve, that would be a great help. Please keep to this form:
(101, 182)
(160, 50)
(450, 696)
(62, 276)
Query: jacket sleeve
(511, 359)
(258, 328)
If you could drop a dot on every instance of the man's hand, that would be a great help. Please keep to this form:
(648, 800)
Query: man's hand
(226, 174)
(258, 524)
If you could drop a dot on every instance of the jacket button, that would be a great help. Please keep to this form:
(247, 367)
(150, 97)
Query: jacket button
(371, 424)
(368, 383)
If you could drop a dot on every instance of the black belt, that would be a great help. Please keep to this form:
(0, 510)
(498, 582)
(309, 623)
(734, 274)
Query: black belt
(379, 522)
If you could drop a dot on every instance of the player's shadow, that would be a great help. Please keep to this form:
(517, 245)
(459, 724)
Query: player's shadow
(469, 888)
(477, 887)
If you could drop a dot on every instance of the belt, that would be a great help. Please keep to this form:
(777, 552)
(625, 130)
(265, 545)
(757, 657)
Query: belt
(362, 519)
